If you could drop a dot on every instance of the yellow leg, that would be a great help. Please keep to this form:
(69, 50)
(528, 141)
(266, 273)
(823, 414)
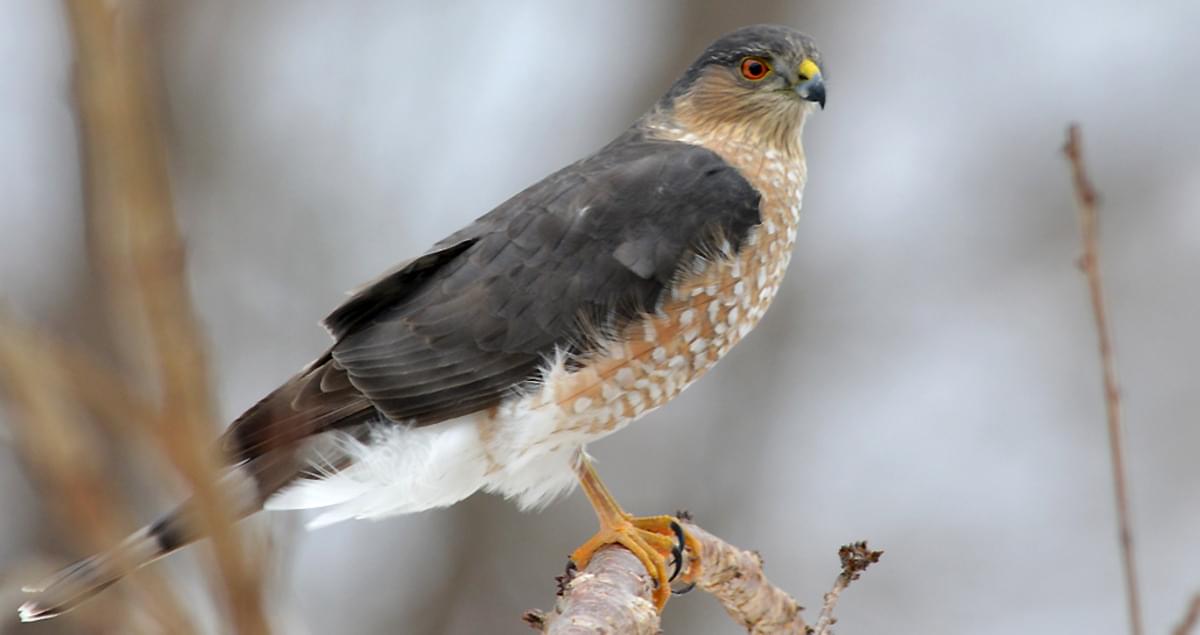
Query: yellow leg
(651, 539)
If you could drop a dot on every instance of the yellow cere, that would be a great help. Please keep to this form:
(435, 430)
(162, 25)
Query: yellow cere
(809, 69)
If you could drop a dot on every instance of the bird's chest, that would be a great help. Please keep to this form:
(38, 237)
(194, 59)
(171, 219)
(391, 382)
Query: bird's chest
(706, 314)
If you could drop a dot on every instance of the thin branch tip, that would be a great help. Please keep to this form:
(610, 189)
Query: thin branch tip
(1191, 618)
(1086, 199)
(856, 557)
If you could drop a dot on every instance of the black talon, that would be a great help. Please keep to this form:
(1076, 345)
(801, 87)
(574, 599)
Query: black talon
(677, 554)
(684, 590)
(678, 529)
(677, 551)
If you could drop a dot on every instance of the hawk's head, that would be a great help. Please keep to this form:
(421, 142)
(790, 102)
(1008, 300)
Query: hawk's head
(759, 80)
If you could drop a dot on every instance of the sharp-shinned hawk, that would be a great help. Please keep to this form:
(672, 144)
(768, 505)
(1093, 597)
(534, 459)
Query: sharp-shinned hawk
(582, 303)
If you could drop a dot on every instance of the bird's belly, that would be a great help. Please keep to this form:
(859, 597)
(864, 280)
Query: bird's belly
(697, 326)
(709, 312)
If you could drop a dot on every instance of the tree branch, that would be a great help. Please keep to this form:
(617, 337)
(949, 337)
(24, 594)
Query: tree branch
(612, 595)
(1085, 196)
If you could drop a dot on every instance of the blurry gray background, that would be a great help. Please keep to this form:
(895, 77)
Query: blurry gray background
(927, 379)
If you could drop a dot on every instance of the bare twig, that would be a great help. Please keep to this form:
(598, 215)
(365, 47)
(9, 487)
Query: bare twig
(613, 594)
(1190, 619)
(137, 245)
(856, 557)
(1085, 196)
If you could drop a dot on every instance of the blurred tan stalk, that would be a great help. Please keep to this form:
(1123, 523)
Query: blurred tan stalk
(39, 377)
(136, 247)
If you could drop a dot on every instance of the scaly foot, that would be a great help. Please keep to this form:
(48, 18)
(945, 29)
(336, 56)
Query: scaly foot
(651, 539)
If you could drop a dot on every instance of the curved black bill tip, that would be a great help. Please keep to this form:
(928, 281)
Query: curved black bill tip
(812, 90)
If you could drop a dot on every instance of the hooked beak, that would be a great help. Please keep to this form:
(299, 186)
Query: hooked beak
(812, 88)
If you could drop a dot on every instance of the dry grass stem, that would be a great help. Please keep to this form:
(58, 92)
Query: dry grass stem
(56, 435)
(136, 244)
(1086, 199)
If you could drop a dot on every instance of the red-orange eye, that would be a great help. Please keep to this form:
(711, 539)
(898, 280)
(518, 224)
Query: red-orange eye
(754, 69)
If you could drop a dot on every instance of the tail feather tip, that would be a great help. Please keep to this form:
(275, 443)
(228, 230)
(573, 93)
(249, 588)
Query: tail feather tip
(33, 611)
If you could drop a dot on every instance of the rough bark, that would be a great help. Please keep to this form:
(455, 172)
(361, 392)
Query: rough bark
(612, 595)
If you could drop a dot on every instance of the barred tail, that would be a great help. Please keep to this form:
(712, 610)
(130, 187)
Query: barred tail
(68, 588)
(248, 486)
(73, 585)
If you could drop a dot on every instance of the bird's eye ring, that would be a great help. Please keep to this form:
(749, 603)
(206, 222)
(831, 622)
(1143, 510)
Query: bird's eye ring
(755, 68)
